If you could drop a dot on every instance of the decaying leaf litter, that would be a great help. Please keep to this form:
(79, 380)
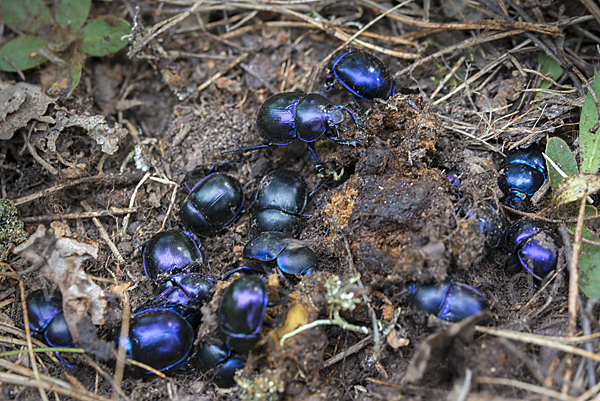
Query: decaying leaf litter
(473, 82)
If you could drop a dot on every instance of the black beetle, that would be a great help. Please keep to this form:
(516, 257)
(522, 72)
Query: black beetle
(45, 315)
(219, 359)
(212, 204)
(185, 289)
(533, 246)
(291, 256)
(522, 174)
(280, 199)
(285, 117)
(159, 338)
(169, 252)
(361, 73)
(449, 300)
(183, 294)
(491, 222)
(242, 311)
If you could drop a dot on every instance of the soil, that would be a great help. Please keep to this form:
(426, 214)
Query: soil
(388, 217)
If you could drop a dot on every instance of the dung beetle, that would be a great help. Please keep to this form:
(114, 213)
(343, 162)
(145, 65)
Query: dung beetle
(491, 223)
(220, 360)
(159, 338)
(169, 252)
(361, 73)
(290, 256)
(45, 315)
(213, 203)
(449, 300)
(522, 174)
(285, 117)
(533, 246)
(241, 312)
(185, 289)
(280, 199)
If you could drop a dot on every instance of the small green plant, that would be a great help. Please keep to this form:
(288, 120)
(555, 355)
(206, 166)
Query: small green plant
(63, 31)
(573, 182)
(341, 295)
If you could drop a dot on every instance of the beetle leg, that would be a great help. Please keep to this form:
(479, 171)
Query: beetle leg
(318, 163)
(351, 142)
(245, 148)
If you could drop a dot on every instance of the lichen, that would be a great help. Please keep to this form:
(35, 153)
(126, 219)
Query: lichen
(264, 387)
(12, 231)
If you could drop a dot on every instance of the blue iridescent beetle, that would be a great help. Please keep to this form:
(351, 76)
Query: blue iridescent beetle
(449, 300)
(522, 174)
(183, 294)
(159, 338)
(280, 200)
(212, 204)
(275, 249)
(169, 252)
(242, 311)
(46, 316)
(489, 218)
(218, 359)
(362, 74)
(533, 247)
(286, 117)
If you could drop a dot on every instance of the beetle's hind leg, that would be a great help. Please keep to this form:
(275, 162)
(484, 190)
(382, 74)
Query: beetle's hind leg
(241, 148)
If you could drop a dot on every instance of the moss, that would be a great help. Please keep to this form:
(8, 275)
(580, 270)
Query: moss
(12, 231)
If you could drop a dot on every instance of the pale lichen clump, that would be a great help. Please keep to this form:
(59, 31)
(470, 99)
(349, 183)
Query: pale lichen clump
(265, 387)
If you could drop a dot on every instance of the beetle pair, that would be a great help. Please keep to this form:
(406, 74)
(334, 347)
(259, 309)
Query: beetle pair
(286, 117)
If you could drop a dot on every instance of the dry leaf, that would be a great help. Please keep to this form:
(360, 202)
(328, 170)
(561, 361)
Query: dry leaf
(60, 262)
(19, 104)
(395, 341)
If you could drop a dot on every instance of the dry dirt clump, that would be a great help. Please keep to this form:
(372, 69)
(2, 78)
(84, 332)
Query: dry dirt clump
(398, 207)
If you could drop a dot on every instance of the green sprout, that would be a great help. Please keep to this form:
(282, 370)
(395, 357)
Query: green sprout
(340, 296)
(64, 31)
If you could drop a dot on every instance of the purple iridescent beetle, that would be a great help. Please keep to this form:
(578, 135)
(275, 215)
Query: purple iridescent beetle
(533, 246)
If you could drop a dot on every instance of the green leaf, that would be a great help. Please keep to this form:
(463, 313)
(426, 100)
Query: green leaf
(67, 79)
(26, 15)
(589, 267)
(550, 68)
(590, 211)
(23, 51)
(72, 14)
(559, 152)
(102, 36)
(575, 187)
(590, 143)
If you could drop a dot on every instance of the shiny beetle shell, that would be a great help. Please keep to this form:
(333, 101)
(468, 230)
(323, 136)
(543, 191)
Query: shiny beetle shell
(219, 358)
(291, 256)
(533, 246)
(280, 200)
(159, 338)
(285, 117)
(449, 300)
(42, 310)
(363, 74)
(212, 204)
(185, 289)
(241, 312)
(169, 252)
(522, 174)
